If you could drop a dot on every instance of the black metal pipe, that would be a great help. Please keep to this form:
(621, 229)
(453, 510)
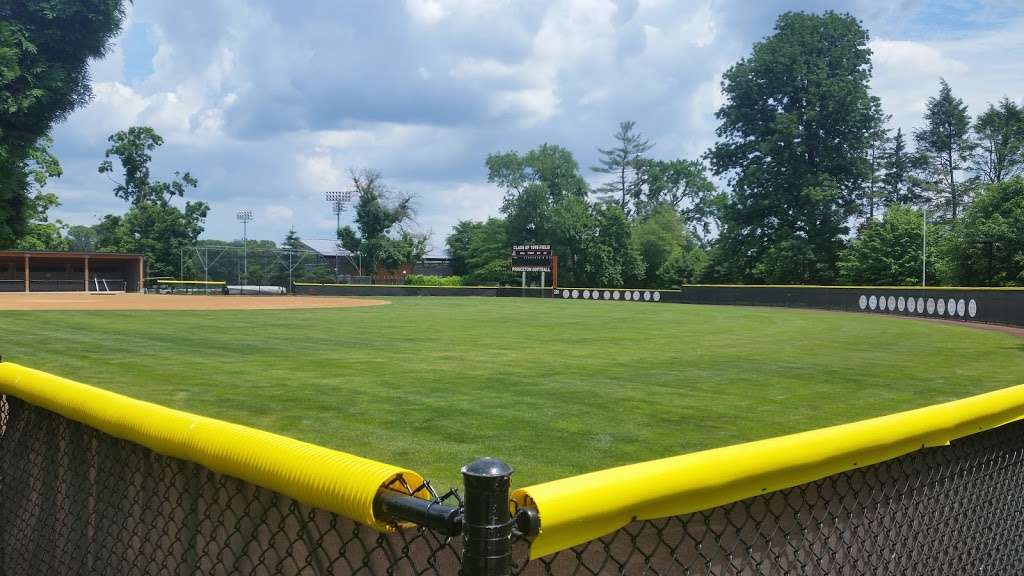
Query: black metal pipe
(487, 534)
(437, 517)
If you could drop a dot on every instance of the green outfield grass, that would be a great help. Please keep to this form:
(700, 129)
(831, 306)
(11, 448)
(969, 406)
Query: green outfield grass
(554, 387)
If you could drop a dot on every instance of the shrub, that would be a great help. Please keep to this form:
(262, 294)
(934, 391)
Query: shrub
(424, 280)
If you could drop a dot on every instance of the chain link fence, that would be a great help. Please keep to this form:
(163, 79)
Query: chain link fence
(957, 509)
(247, 270)
(74, 500)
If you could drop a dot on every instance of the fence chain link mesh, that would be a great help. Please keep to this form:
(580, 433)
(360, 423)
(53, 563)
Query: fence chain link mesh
(76, 501)
(957, 509)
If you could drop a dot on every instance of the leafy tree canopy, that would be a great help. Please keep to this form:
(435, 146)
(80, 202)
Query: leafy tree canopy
(794, 133)
(988, 243)
(153, 225)
(945, 147)
(888, 252)
(380, 216)
(45, 49)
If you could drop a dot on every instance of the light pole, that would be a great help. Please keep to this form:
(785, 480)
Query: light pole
(924, 247)
(244, 216)
(338, 199)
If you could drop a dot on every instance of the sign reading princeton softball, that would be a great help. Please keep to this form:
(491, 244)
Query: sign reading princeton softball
(531, 258)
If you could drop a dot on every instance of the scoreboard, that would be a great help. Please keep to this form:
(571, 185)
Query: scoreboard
(531, 258)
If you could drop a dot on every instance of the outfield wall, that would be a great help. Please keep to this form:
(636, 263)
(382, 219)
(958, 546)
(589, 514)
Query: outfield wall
(399, 290)
(638, 295)
(991, 305)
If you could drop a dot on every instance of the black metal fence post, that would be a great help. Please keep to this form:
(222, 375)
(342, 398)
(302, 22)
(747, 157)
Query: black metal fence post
(487, 528)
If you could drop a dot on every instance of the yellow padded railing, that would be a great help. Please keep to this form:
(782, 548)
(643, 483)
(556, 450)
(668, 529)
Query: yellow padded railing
(581, 508)
(341, 483)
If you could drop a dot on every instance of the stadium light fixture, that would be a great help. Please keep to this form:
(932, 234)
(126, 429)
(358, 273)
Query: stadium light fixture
(338, 199)
(245, 216)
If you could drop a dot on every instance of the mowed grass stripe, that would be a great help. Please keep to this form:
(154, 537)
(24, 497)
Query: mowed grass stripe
(554, 387)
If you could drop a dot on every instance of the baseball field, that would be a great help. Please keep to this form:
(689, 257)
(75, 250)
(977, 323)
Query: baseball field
(554, 387)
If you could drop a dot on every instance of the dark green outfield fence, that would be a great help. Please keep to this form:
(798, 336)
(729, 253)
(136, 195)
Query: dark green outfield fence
(991, 305)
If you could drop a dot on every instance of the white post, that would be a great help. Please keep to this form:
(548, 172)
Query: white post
(542, 279)
(924, 248)
(524, 279)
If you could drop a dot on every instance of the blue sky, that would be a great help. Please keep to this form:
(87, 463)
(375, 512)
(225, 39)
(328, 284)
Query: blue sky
(269, 105)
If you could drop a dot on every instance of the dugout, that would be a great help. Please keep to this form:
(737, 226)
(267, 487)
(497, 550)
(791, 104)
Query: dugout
(35, 271)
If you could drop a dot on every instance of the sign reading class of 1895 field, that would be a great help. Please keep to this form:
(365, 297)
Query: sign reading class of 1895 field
(531, 258)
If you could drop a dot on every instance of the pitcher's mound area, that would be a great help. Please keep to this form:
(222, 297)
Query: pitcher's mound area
(83, 301)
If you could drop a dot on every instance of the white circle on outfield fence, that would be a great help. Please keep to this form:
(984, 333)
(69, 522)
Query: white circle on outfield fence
(951, 307)
(873, 302)
(901, 304)
(596, 294)
(911, 304)
(647, 296)
(627, 295)
(892, 303)
(920, 305)
(586, 294)
(931, 305)
(972, 308)
(863, 302)
(636, 295)
(656, 296)
(565, 294)
(882, 303)
(616, 295)
(940, 307)
(607, 295)
(575, 293)
(961, 307)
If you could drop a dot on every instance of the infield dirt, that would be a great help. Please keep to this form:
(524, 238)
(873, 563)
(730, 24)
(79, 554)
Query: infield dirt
(83, 301)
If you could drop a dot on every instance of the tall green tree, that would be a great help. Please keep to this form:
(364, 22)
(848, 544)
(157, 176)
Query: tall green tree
(133, 148)
(899, 165)
(669, 253)
(998, 154)
(988, 244)
(153, 225)
(534, 184)
(42, 234)
(793, 135)
(888, 252)
(480, 251)
(620, 162)
(45, 49)
(681, 184)
(81, 238)
(381, 217)
(874, 196)
(946, 147)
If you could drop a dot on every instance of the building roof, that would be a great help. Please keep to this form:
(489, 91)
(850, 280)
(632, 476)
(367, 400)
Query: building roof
(325, 247)
(56, 254)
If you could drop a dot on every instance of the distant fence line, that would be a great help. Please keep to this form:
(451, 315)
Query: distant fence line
(990, 305)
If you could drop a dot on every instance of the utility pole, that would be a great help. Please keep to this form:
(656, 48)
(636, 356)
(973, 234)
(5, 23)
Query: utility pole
(245, 216)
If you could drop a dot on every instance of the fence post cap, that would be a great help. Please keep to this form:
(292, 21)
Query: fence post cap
(487, 468)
